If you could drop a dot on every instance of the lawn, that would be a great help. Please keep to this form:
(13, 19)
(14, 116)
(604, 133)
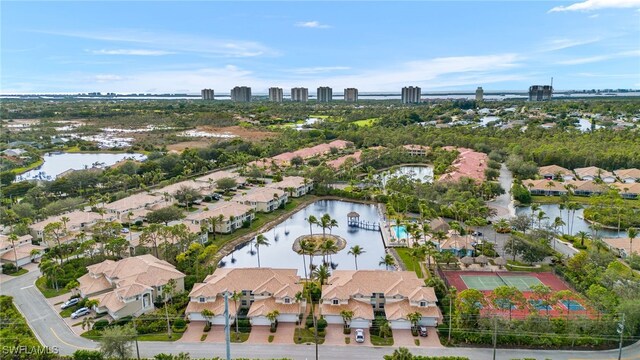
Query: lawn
(379, 341)
(20, 272)
(306, 336)
(239, 337)
(159, 337)
(520, 266)
(365, 122)
(41, 284)
(410, 263)
(24, 169)
(67, 312)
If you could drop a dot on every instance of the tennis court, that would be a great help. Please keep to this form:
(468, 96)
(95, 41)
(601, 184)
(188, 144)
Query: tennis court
(492, 281)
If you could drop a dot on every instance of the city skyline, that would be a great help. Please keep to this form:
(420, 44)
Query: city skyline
(63, 47)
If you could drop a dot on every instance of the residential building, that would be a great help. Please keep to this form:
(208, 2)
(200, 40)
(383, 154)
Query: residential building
(591, 173)
(241, 94)
(555, 172)
(232, 215)
(134, 202)
(324, 94)
(14, 152)
(417, 150)
(624, 246)
(628, 190)
(306, 153)
(456, 244)
(213, 177)
(469, 163)
(540, 92)
(411, 95)
(23, 249)
(337, 163)
(545, 187)
(262, 290)
(78, 221)
(479, 94)
(275, 94)
(397, 293)
(628, 175)
(130, 286)
(264, 199)
(351, 95)
(300, 94)
(295, 186)
(207, 94)
(199, 186)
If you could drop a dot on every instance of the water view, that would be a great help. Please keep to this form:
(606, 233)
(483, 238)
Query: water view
(280, 255)
(579, 224)
(56, 164)
(423, 173)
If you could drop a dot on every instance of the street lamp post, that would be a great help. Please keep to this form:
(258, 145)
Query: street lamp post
(621, 332)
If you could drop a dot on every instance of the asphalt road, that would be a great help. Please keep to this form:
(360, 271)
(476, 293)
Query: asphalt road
(53, 332)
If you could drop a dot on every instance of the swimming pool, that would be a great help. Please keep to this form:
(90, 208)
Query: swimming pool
(400, 232)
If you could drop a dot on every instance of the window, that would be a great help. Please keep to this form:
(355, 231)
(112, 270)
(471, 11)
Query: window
(202, 299)
(244, 302)
(381, 305)
(423, 303)
(335, 301)
(287, 301)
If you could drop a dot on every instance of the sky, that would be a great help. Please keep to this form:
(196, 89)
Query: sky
(182, 47)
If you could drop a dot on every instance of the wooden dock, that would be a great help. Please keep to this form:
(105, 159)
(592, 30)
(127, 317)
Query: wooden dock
(364, 224)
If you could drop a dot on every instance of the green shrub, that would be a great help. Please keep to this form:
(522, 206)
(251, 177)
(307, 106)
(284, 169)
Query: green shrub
(322, 324)
(244, 325)
(100, 324)
(207, 327)
(179, 326)
(9, 268)
(87, 355)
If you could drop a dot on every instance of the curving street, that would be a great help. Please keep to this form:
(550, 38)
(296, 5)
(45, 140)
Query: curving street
(52, 331)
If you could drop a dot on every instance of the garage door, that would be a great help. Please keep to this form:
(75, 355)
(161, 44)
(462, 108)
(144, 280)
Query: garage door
(428, 321)
(218, 320)
(196, 317)
(288, 318)
(359, 324)
(334, 319)
(400, 324)
(260, 320)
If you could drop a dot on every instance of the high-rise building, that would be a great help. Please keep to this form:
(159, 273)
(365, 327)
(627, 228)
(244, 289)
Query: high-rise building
(300, 94)
(479, 94)
(325, 94)
(540, 92)
(207, 94)
(241, 94)
(351, 95)
(411, 94)
(275, 94)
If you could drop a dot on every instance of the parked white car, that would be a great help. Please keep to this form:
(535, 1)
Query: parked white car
(359, 335)
(80, 312)
(69, 303)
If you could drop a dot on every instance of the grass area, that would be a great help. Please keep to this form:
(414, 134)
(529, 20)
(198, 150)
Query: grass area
(319, 116)
(379, 341)
(579, 199)
(159, 337)
(24, 169)
(91, 334)
(41, 284)
(520, 266)
(306, 336)
(67, 312)
(20, 272)
(366, 122)
(239, 337)
(409, 262)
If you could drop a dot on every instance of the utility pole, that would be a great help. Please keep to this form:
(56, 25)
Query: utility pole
(495, 336)
(450, 314)
(135, 328)
(621, 332)
(227, 335)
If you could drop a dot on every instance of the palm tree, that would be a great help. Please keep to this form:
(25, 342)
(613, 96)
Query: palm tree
(87, 323)
(347, 315)
(385, 329)
(208, 314)
(582, 235)
(414, 318)
(388, 260)
(236, 297)
(356, 251)
(429, 252)
(558, 223)
(273, 317)
(448, 257)
(541, 216)
(308, 248)
(322, 274)
(261, 240)
(534, 207)
(632, 233)
(326, 223)
(304, 244)
(328, 247)
(13, 238)
(312, 220)
(401, 353)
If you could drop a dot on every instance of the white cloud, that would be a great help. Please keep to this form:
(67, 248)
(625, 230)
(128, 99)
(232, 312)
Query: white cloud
(102, 78)
(312, 24)
(559, 44)
(590, 5)
(318, 69)
(134, 52)
(598, 58)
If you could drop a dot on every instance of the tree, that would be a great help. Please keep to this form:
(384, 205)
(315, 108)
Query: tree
(72, 286)
(87, 323)
(564, 295)
(187, 195)
(542, 294)
(447, 257)
(165, 215)
(322, 274)
(273, 317)
(261, 240)
(356, 251)
(13, 238)
(399, 354)
(347, 315)
(414, 318)
(631, 233)
(507, 297)
(468, 305)
(152, 235)
(236, 297)
(388, 261)
(57, 232)
(226, 184)
(582, 235)
(385, 329)
(326, 222)
(117, 341)
(297, 161)
(312, 220)
(208, 314)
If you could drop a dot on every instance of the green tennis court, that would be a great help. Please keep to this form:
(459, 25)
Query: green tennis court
(492, 281)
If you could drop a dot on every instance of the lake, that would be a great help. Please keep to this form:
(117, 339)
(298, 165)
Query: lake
(55, 164)
(553, 210)
(280, 255)
(423, 173)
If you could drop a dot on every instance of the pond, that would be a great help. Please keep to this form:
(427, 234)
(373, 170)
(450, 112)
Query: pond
(280, 255)
(423, 173)
(57, 163)
(579, 224)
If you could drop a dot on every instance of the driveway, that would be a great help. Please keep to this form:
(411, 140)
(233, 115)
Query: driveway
(194, 331)
(403, 337)
(284, 334)
(260, 335)
(334, 335)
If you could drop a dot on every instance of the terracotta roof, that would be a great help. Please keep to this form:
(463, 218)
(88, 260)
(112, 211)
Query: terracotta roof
(143, 269)
(343, 284)
(289, 181)
(278, 282)
(456, 242)
(470, 164)
(226, 209)
(317, 150)
(553, 170)
(588, 186)
(623, 244)
(76, 218)
(416, 147)
(89, 285)
(110, 301)
(361, 310)
(545, 185)
(5, 243)
(131, 290)
(215, 176)
(133, 202)
(262, 195)
(397, 310)
(628, 173)
(264, 306)
(199, 186)
(335, 164)
(23, 251)
(625, 188)
(217, 307)
(592, 171)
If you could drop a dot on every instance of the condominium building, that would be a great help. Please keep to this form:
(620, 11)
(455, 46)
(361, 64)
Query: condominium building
(479, 94)
(351, 95)
(241, 94)
(411, 94)
(325, 94)
(207, 94)
(300, 94)
(275, 94)
(540, 92)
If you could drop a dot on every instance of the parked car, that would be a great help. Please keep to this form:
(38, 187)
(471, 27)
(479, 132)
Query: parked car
(69, 303)
(476, 233)
(124, 230)
(359, 335)
(216, 197)
(423, 331)
(80, 312)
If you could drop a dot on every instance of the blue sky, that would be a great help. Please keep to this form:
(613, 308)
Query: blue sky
(161, 46)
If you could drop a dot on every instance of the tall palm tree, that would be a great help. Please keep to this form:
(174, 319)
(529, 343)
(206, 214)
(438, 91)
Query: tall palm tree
(304, 245)
(632, 233)
(13, 238)
(356, 251)
(312, 220)
(236, 297)
(308, 248)
(387, 261)
(429, 252)
(534, 208)
(261, 240)
(558, 223)
(322, 274)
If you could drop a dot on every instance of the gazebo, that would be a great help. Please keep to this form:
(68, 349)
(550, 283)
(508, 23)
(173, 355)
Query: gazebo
(482, 260)
(353, 218)
(500, 261)
(466, 261)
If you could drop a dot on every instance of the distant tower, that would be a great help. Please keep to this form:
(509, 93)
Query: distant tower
(207, 94)
(300, 94)
(241, 94)
(275, 94)
(325, 94)
(411, 94)
(479, 94)
(351, 95)
(540, 92)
